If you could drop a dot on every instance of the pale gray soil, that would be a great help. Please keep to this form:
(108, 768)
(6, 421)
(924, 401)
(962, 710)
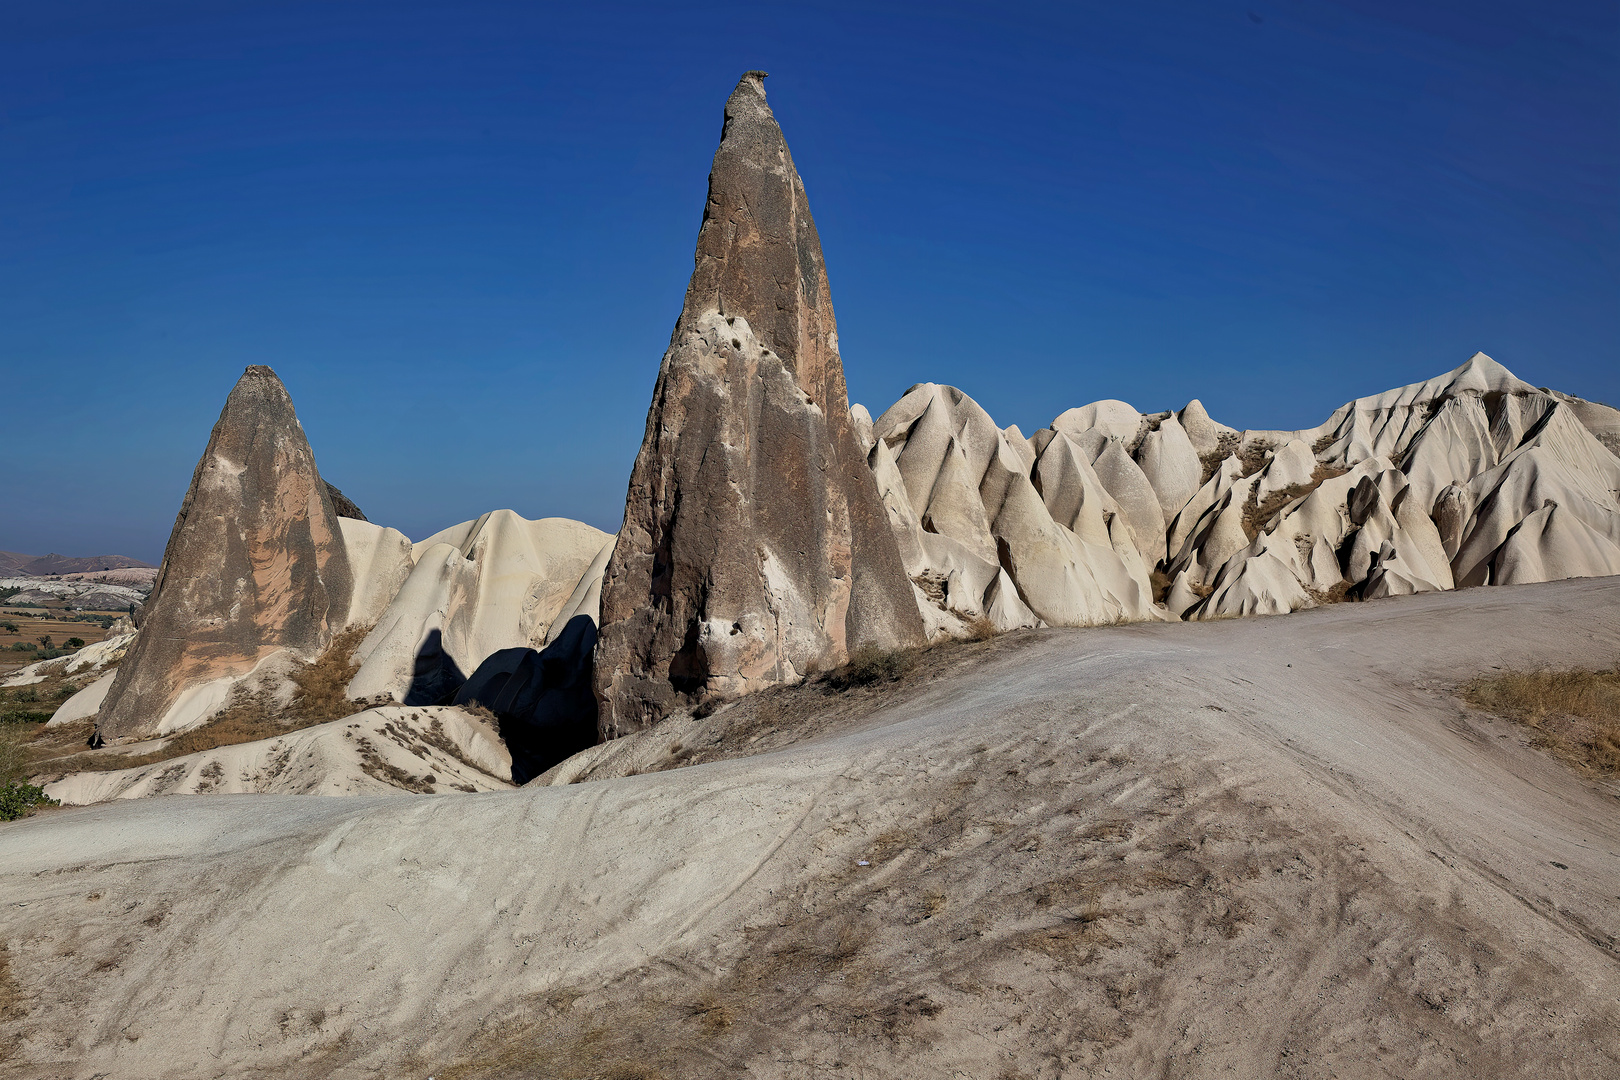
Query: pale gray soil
(1262, 847)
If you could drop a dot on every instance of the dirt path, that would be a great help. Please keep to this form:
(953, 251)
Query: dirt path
(1266, 847)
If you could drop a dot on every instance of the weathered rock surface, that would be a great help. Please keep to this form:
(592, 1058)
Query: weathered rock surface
(543, 699)
(381, 560)
(344, 506)
(1470, 478)
(497, 582)
(256, 563)
(754, 548)
(991, 527)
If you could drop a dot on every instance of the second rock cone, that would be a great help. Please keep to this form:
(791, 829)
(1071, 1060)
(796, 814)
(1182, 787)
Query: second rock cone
(255, 564)
(755, 548)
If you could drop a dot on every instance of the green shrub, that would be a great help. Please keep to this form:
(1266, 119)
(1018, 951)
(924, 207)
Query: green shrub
(19, 799)
(74, 643)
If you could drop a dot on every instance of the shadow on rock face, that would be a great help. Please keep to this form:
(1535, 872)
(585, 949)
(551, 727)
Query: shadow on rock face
(543, 700)
(436, 676)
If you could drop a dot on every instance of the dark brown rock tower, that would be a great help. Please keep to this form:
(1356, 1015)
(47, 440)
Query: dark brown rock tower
(755, 548)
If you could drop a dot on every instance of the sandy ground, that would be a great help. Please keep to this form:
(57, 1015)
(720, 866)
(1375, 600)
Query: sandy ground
(1262, 847)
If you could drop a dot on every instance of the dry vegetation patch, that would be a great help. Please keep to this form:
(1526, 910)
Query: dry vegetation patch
(871, 665)
(11, 1001)
(1257, 514)
(1574, 714)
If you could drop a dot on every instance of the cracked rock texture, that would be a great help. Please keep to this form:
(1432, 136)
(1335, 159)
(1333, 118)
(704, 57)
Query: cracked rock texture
(755, 548)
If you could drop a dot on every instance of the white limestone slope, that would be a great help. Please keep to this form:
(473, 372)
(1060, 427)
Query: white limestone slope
(97, 656)
(497, 582)
(379, 751)
(1473, 477)
(81, 592)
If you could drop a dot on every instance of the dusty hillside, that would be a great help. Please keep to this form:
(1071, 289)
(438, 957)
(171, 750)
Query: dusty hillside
(1269, 847)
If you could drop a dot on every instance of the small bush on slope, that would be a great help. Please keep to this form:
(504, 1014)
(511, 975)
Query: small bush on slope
(18, 798)
(1574, 714)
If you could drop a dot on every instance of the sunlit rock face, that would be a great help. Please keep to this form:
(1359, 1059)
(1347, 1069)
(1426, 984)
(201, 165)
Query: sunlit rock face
(256, 564)
(754, 549)
(1474, 477)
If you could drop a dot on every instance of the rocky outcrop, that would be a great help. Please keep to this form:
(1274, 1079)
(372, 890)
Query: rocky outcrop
(1470, 478)
(754, 549)
(994, 528)
(496, 583)
(1440, 484)
(543, 700)
(256, 564)
(343, 505)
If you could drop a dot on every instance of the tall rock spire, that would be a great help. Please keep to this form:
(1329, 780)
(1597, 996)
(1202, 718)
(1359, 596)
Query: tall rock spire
(755, 548)
(255, 563)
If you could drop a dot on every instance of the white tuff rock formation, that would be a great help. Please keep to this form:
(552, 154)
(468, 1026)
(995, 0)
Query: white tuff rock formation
(459, 596)
(1472, 478)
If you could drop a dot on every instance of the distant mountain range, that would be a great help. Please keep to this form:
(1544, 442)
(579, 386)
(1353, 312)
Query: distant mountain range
(14, 564)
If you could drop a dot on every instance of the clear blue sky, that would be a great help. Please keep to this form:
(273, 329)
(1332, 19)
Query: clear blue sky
(461, 231)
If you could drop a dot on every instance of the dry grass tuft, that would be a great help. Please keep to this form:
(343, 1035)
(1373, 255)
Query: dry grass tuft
(322, 693)
(712, 1013)
(871, 665)
(11, 1007)
(1162, 583)
(1574, 714)
(1253, 457)
(980, 628)
(13, 755)
(1334, 594)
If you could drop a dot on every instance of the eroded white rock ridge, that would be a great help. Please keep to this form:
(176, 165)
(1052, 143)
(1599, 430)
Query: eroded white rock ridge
(1472, 478)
